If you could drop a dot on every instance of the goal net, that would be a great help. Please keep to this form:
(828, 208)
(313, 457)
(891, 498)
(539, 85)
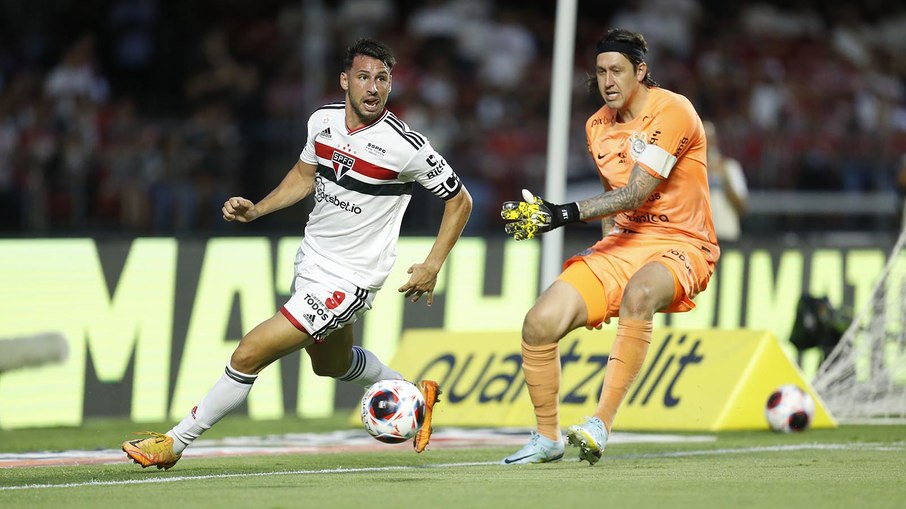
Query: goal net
(864, 376)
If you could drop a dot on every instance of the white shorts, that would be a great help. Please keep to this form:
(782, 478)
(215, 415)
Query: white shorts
(322, 302)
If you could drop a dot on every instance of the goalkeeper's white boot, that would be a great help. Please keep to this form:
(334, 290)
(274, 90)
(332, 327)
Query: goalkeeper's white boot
(590, 437)
(539, 449)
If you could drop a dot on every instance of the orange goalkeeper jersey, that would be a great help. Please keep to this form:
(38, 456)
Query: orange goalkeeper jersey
(667, 140)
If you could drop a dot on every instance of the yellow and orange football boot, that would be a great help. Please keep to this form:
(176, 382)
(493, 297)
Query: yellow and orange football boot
(430, 391)
(154, 451)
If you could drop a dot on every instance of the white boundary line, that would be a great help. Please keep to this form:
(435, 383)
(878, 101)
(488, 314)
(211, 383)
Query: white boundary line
(892, 447)
(318, 443)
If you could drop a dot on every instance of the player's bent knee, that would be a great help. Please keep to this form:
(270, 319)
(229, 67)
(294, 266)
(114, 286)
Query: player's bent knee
(540, 326)
(634, 300)
(329, 369)
(247, 360)
(641, 301)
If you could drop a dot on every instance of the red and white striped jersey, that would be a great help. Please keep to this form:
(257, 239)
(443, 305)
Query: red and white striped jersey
(362, 188)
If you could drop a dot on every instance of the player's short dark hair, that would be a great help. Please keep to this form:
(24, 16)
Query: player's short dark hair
(623, 36)
(369, 48)
(636, 39)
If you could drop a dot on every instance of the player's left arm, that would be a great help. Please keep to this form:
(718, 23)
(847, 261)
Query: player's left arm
(608, 222)
(629, 197)
(423, 276)
(676, 125)
(535, 215)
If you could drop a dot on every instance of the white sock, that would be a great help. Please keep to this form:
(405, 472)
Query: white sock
(367, 369)
(228, 393)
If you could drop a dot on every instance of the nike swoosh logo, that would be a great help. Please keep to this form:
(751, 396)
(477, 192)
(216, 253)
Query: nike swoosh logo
(602, 156)
(508, 461)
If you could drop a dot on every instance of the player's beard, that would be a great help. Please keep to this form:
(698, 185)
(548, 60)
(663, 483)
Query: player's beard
(366, 117)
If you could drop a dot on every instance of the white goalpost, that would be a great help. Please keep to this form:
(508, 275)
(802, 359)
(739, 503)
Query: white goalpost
(558, 133)
(864, 376)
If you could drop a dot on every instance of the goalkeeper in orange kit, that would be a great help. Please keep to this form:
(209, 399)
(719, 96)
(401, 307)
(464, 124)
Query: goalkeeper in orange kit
(658, 252)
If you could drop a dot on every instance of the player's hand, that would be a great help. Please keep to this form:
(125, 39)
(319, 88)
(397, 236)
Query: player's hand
(534, 215)
(422, 280)
(239, 209)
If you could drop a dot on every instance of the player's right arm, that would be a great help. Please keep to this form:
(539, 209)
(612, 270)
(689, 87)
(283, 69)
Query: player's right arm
(298, 183)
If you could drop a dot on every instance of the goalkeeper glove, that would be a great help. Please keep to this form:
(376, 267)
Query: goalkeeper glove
(535, 215)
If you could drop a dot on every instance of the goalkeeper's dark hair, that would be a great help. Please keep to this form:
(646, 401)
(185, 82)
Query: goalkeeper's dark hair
(633, 47)
(369, 48)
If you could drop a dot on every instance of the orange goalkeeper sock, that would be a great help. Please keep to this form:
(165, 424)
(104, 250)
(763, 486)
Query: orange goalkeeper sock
(541, 367)
(623, 366)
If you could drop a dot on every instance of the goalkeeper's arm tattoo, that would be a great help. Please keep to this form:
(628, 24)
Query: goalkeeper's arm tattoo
(629, 197)
(607, 224)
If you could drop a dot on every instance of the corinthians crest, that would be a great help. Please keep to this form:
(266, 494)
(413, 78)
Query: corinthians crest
(637, 144)
(341, 163)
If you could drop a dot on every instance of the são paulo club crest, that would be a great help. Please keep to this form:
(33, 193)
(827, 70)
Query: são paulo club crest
(341, 163)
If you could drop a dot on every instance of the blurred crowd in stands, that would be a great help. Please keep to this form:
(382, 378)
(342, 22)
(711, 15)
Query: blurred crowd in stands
(142, 116)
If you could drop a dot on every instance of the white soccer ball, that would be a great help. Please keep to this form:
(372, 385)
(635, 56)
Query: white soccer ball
(789, 408)
(393, 410)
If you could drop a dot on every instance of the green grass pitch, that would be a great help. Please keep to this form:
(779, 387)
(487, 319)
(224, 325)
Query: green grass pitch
(852, 466)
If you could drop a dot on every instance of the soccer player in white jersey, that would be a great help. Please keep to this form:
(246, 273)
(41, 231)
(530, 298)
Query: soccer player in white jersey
(360, 162)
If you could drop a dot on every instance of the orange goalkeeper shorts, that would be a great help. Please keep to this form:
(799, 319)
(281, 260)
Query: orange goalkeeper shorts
(608, 265)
